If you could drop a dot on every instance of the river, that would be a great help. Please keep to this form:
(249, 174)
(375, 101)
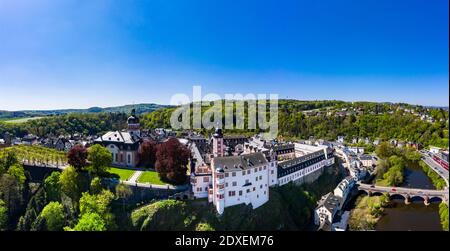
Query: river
(415, 216)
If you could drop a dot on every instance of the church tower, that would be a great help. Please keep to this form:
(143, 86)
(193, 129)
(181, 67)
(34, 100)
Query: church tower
(134, 127)
(218, 147)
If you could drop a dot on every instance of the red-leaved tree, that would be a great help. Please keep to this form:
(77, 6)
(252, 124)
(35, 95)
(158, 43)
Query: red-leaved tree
(77, 156)
(147, 153)
(171, 161)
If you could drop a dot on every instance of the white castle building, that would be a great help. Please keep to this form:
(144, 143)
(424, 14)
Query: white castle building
(245, 178)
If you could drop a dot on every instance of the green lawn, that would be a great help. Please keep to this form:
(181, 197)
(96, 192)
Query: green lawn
(20, 120)
(150, 177)
(124, 174)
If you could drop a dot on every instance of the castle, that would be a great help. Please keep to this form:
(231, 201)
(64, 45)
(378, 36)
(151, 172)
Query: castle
(245, 177)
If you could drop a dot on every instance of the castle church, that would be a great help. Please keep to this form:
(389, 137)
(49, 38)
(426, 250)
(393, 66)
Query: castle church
(124, 144)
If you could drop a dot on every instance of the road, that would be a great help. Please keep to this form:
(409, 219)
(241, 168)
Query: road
(435, 166)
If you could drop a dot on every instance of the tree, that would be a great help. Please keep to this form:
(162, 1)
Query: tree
(172, 159)
(17, 171)
(8, 159)
(3, 215)
(384, 150)
(100, 159)
(96, 185)
(123, 192)
(39, 224)
(77, 157)
(99, 204)
(147, 153)
(53, 214)
(90, 222)
(68, 180)
(52, 187)
(11, 193)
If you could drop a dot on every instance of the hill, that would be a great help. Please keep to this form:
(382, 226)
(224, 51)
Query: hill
(140, 109)
(329, 119)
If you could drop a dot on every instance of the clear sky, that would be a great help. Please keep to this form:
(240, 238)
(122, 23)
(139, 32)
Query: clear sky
(78, 54)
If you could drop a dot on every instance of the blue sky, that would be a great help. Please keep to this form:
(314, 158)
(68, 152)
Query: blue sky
(67, 54)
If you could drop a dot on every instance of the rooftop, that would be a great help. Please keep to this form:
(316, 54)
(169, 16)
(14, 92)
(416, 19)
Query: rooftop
(241, 162)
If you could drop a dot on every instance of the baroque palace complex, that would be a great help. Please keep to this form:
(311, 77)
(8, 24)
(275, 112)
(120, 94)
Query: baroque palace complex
(234, 170)
(228, 170)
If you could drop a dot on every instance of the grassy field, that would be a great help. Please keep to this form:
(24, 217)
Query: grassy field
(124, 174)
(150, 177)
(20, 120)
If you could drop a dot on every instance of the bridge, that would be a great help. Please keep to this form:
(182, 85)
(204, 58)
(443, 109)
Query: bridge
(406, 193)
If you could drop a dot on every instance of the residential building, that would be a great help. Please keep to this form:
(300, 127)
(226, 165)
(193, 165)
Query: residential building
(367, 160)
(344, 188)
(325, 211)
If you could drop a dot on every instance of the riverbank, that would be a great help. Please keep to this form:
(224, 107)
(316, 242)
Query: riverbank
(367, 212)
(437, 180)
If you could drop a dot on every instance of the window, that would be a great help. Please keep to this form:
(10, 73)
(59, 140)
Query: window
(226, 174)
(260, 186)
(234, 183)
(231, 193)
(256, 170)
(205, 179)
(254, 188)
(226, 184)
(256, 178)
(129, 158)
(243, 172)
(260, 168)
(271, 172)
(233, 174)
(247, 181)
(248, 190)
(240, 193)
(260, 177)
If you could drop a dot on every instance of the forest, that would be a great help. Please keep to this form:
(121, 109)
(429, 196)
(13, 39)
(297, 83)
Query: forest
(382, 121)
(371, 120)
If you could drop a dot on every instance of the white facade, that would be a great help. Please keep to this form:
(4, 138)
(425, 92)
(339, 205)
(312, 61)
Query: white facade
(343, 189)
(200, 185)
(245, 179)
(356, 150)
(305, 172)
(326, 210)
(249, 185)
